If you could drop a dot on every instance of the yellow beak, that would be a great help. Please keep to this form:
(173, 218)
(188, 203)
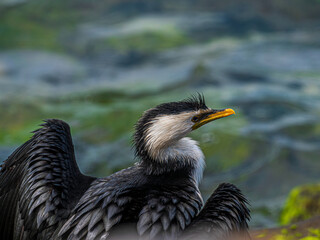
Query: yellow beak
(214, 116)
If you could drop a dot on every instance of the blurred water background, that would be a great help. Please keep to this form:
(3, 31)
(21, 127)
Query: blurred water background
(99, 64)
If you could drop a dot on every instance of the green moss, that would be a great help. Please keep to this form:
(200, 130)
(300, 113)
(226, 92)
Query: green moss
(37, 24)
(17, 33)
(17, 121)
(293, 227)
(302, 203)
(281, 237)
(261, 235)
(289, 233)
(97, 118)
(148, 41)
(314, 234)
(284, 231)
(118, 122)
(310, 238)
(303, 131)
(217, 154)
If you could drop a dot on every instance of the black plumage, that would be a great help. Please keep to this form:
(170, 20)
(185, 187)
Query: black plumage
(224, 216)
(43, 195)
(39, 184)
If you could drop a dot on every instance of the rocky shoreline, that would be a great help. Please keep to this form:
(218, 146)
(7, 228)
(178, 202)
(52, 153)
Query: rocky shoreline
(307, 230)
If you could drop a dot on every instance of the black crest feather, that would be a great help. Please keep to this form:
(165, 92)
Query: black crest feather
(197, 100)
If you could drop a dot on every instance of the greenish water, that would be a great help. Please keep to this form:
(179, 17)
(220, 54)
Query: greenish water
(98, 66)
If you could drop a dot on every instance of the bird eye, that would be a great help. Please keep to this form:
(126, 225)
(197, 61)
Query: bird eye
(195, 119)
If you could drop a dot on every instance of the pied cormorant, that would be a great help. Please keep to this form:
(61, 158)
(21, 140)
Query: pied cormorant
(43, 195)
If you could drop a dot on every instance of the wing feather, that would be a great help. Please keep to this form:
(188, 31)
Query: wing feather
(168, 212)
(101, 208)
(38, 181)
(224, 216)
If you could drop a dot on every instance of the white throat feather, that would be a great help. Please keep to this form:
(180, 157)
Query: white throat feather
(165, 141)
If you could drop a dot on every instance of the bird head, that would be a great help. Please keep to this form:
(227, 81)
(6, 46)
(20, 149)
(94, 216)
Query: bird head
(162, 127)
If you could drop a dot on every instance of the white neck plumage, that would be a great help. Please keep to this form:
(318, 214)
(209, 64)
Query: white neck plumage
(167, 144)
(186, 150)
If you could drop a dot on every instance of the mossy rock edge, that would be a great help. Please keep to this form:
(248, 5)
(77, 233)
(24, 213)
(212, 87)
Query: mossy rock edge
(303, 203)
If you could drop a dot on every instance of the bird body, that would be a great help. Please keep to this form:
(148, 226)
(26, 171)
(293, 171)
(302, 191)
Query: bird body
(43, 195)
(81, 207)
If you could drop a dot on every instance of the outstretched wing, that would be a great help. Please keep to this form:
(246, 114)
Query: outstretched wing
(39, 183)
(224, 216)
(169, 211)
(104, 205)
